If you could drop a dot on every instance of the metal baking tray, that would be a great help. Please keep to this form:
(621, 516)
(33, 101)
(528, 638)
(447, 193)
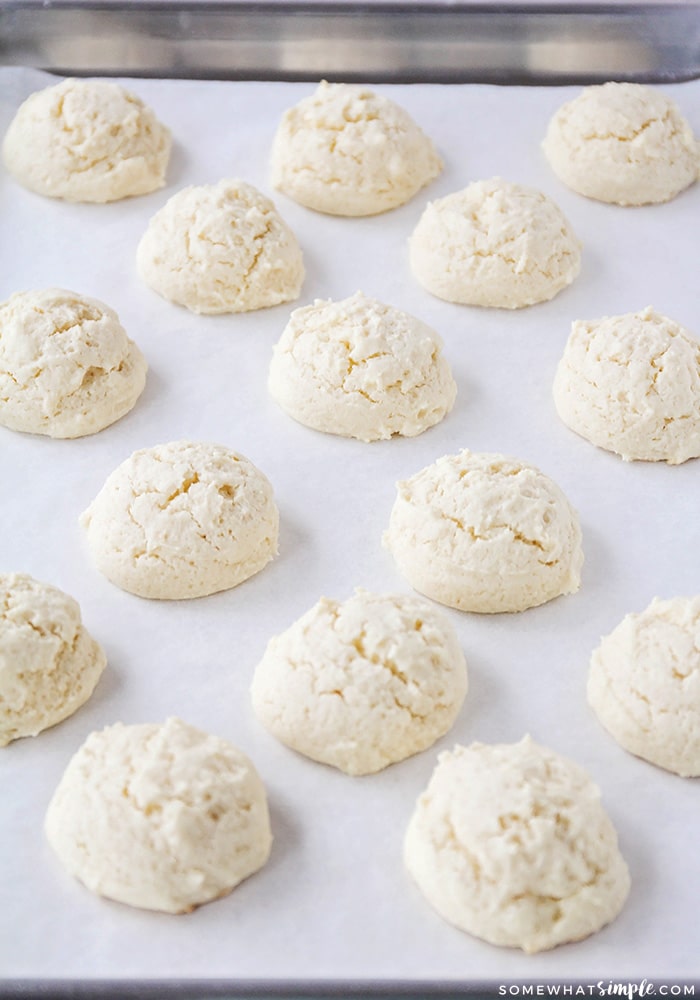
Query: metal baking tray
(392, 42)
(440, 41)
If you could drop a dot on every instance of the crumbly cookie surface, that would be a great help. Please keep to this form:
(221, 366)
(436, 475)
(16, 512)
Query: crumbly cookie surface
(67, 366)
(182, 519)
(624, 143)
(348, 151)
(510, 843)
(483, 532)
(163, 817)
(644, 684)
(49, 664)
(361, 369)
(363, 683)
(221, 248)
(631, 384)
(87, 140)
(494, 244)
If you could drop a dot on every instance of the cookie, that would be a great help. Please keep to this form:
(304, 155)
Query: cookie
(67, 366)
(510, 843)
(221, 248)
(348, 151)
(182, 519)
(623, 143)
(494, 244)
(87, 140)
(631, 384)
(644, 684)
(361, 369)
(363, 683)
(163, 817)
(49, 664)
(482, 532)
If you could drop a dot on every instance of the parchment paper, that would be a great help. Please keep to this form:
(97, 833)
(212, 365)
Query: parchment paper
(334, 900)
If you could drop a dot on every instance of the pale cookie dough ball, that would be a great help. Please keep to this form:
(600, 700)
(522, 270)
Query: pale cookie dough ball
(363, 683)
(164, 817)
(644, 684)
(183, 519)
(49, 664)
(494, 244)
(510, 843)
(361, 369)
(221, 248)
(87, 140)
(348, 151)
(631, 384)
(623, 143)
(483, 532)
(67, 367)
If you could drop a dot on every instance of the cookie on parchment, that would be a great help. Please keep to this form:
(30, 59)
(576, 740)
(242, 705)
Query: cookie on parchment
(362, 369)
(183, 519)
(87, 140)
(49, 663)
(510, 843)
(163, 817)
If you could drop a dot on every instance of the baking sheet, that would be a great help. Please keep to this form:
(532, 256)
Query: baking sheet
(334, 902)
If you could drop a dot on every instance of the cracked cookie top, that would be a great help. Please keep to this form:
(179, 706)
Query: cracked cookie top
(221, 248)
(631, 384)
(483, 532)
(495, 244)
(363, 683)
(623, 143)
(49, 664)
(348, 151)
(87, 140)
(183, 519)
(361, 369)
(644, 684)
(510, 843)
(163, 817)
(67, 367)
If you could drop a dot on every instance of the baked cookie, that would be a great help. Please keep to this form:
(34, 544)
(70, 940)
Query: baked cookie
(221, 248)
(363, 683)
(494, 244)
(49, 664)
(623, 143)
(348, 151)
(631, 384)
(67, 366)
(510, 843)
(482, 532)
(361, 369)
(87, 140)
(644, 684)
(182, 519)
(163, 817)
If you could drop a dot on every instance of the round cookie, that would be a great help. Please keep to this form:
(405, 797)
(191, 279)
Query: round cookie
(67, 367)
(494, 244)
(623, 143)
(631, 384)
(644, 684)
(87, 140)
(361, 369)
(182, 519)
(49, 664)
(363, 683)
(482, 532)
(510, 843)
(348, 151)
(221, 248)
(163, 817)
